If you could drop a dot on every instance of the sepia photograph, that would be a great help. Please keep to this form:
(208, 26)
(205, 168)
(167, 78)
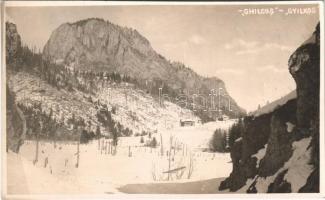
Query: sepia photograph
(190, 98)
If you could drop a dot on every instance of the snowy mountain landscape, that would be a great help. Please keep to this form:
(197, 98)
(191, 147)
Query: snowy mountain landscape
(99, 111)
(150, 139)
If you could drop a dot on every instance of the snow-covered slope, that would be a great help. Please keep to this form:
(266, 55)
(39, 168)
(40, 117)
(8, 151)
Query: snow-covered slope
(134, 109)
(271, 106)
(140, 111)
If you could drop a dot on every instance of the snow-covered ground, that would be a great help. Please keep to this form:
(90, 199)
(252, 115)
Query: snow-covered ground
(179, 148)
(101, 172)
(198, 137)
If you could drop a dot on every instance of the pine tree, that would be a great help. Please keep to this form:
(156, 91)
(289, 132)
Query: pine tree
(218, 141)
(98, 133)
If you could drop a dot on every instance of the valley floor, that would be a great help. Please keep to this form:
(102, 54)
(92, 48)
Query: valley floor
(134, 169)
(209, 186)
(44, 183)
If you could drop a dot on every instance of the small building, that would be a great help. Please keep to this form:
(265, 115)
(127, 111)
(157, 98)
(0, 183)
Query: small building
(223, 118)
(187, 122)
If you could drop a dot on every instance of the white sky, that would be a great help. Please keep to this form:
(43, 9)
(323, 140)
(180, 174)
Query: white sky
(250, 53)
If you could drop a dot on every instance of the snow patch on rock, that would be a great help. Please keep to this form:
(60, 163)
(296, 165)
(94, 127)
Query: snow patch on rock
(239, 139)
(290, 126)
(298, 168)
(246, 186)
(259, 155)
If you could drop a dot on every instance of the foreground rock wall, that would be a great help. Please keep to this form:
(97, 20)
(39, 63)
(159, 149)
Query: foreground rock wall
(16, 124)
(15, 121)
(273, 145)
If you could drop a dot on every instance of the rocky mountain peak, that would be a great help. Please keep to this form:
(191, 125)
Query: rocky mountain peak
(95, 40)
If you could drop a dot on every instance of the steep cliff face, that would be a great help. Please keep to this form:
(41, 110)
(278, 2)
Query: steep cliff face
(16, 124)
(13, 43)
(253, 138)
(304, 66)
(279, 150)
(263, 148)
(98, 45)
(95, 44)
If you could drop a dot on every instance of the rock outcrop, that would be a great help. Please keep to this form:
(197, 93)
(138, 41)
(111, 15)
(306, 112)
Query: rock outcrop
(265, 131)
(304, 66)
(15, 120)
(99, 45)
(16, 124)
(279, 150)
(13, 44)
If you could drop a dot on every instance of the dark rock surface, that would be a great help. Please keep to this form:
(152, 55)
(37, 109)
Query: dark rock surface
(13, 43)
(15, 120)
(312, 184)
(279, 185)
(16, 124)
(279, 143)
(254, 137)
(304, 66)
(273, 129)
